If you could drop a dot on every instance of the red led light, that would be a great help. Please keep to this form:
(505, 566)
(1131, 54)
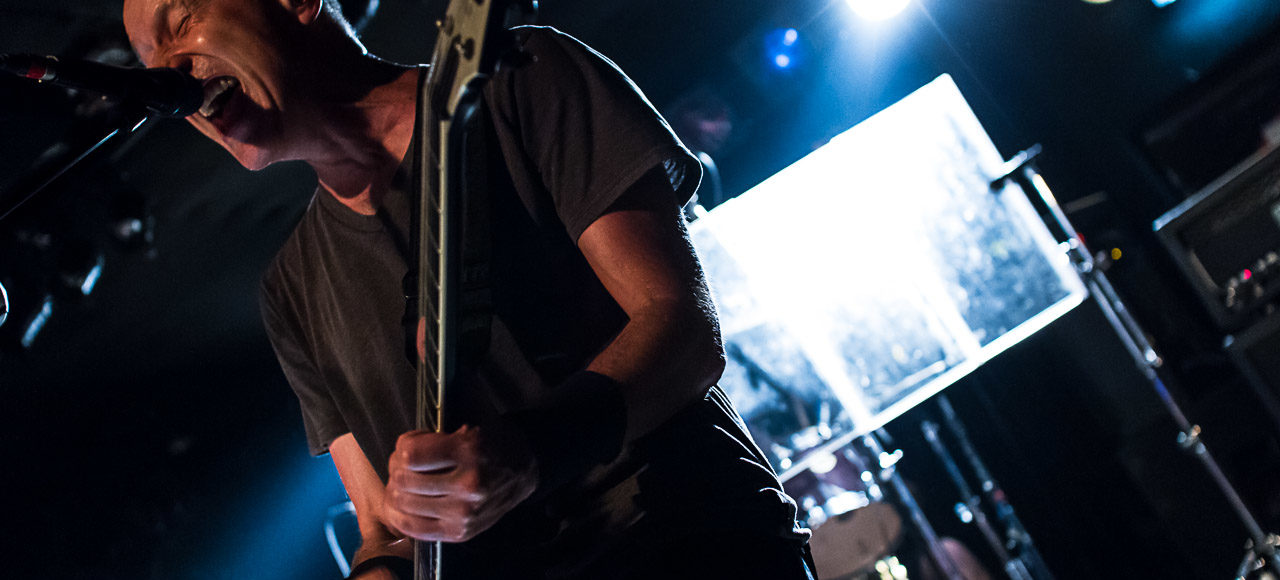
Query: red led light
(37, 72)
(1246, 274)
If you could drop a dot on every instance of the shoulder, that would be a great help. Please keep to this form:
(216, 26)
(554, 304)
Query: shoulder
(559, 58)
(546, 38)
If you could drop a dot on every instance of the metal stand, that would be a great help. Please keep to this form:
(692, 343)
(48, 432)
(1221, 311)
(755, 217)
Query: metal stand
(1017, 554)
(886, 474)
(60, 158)
(1262, 546)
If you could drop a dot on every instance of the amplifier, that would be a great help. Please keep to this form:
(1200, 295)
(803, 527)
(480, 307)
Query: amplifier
(1254, 351)
(1226, 240)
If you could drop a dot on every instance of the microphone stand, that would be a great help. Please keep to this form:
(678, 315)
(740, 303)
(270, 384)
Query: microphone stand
(1262, 547)
(886, 473)
(63, 156)
(1016, 552)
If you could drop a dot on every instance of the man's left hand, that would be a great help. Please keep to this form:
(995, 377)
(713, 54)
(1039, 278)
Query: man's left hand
(449, 487)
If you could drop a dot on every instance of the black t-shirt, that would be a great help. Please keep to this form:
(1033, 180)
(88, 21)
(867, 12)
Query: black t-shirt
(573, 134)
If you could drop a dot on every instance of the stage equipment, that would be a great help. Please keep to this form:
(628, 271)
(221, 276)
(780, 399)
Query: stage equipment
(1253, 351)
(924, 259)
(1226, 116)
(1261, 546)
(163, 91)
(1226, 240)
(854, 529)
(908, 272)
(346, 512)
(887, 474)
(1017, 553)
(60, 158)
(782, 48)
(35, 323)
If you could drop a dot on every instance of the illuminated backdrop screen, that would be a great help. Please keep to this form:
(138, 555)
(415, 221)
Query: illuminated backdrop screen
(874, 272)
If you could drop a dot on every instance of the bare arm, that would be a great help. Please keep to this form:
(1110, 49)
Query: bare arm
(367, 494)
(669, 352)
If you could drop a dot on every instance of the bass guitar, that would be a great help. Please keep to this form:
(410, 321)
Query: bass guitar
(473, 39)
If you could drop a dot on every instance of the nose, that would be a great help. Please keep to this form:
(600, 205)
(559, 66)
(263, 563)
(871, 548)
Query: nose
(180, 62)
(164, 57)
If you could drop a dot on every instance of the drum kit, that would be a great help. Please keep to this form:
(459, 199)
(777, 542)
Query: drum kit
(854, 528)
(861, 513)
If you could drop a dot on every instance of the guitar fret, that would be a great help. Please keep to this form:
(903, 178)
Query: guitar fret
(430, 368)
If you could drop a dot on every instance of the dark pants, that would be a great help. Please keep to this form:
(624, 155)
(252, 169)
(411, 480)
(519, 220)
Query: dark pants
(722, 556)
(714, 557)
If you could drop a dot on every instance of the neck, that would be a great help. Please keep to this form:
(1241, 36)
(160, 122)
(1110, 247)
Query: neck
(361, 137)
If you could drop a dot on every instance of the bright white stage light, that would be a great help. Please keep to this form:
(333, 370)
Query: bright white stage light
(877, 10)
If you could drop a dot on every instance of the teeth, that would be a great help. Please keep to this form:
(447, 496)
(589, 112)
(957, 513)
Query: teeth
(213, 93)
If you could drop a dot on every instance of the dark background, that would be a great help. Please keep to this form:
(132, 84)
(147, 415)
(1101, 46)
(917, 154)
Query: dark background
(147, 432)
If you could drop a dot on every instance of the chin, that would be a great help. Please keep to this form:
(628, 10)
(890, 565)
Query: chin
(250, 158)
(254, 164)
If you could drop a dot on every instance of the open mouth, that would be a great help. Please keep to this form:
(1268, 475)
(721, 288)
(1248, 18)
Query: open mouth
(217, 91)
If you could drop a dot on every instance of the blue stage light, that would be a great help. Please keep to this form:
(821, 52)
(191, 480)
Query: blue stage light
(782, 48)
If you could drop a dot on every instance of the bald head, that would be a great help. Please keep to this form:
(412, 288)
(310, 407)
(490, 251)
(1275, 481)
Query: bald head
(264, 64)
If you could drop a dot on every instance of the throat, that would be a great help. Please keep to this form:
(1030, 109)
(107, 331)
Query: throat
(360, 192)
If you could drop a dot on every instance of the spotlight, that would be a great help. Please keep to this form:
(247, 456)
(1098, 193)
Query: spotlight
(37, 321)
(4, 304)
(782, 48)
(877, 10)
(79, 265)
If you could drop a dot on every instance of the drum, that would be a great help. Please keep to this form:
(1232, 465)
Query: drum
(853, 528)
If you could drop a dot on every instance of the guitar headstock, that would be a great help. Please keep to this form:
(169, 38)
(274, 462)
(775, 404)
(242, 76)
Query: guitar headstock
(473, 37)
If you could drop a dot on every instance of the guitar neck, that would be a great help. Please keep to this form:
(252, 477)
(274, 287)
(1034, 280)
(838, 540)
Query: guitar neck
(437, 280)
(471, 38)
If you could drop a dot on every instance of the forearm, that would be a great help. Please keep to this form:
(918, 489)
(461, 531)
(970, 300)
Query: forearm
(667, 356)
(669, 352)
(368, 495)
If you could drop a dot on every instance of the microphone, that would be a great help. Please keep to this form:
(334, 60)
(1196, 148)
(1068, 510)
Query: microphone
(166, 91)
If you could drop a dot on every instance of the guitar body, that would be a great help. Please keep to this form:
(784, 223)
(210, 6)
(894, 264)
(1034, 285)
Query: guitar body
(473, 37)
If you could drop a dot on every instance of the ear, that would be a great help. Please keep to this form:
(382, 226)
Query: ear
(306, 11)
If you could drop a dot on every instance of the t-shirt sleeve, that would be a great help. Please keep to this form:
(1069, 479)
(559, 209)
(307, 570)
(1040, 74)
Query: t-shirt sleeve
(586, 132)
(320, 417)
